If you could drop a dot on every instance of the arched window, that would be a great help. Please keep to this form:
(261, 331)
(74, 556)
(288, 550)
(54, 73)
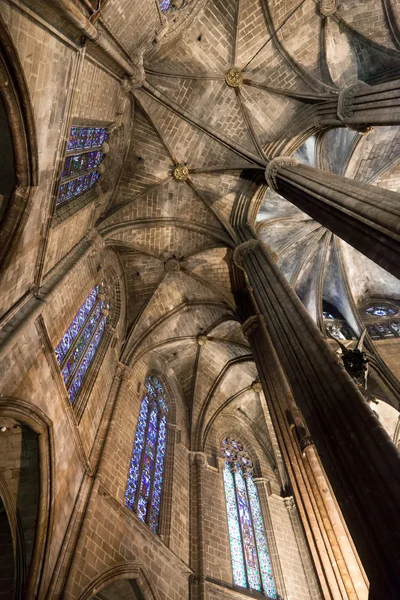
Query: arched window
(144, 487)
(251, 565)
(383, 326)
(82, 165)
(78, 346)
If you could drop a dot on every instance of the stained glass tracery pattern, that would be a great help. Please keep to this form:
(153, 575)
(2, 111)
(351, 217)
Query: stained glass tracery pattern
(79, 343)
(81, 164)
(251, 565)
(144, 486)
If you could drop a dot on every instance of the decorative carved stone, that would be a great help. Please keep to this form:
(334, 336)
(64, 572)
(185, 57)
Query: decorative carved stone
(172, 265)
(328, 7)
(290, 503)
(243, 249)
(251, 324)
(271, 253)
(234, 77)
(202, 340)
(256, 387)
(101, 168)
(356, 363)
(306, 441)
(345, 106)
(105, 148)
(180, 173)
(273, 166)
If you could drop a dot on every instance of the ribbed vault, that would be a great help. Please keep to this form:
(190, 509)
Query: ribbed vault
(174, 237)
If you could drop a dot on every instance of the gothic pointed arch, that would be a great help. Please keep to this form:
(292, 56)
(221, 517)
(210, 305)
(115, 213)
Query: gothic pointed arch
(19, 169)
(131, 571)
(28, 506)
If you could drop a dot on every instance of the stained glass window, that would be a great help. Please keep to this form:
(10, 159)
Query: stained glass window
(144, 486)
(170, 5)
(79, 343)
(81, 165)
(251, 565)
(381, 310)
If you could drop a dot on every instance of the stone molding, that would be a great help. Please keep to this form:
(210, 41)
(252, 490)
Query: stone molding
(272, 168)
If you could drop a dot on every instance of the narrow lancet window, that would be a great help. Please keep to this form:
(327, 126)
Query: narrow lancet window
(79, 343)
(82, 165)
(144, 487)
(251, 565)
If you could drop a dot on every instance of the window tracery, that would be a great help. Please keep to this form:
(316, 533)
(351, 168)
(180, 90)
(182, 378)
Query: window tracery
(83, 162)
(335, 326)
(144, 487)
(383, 325)
(78, 346)
(251, 565)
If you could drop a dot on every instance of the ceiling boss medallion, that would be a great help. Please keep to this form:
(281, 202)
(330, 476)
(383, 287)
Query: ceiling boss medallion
(234, 77)
(180, 173)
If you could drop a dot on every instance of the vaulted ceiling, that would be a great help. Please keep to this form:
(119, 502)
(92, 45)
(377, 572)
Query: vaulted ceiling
(174, 237)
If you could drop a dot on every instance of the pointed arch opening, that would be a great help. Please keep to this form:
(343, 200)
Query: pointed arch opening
(251, 565)
(146, 471)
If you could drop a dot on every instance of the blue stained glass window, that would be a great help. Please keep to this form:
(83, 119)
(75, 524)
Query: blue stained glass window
(78, 346)
(84, 156)
(251, 565)
(144, 486)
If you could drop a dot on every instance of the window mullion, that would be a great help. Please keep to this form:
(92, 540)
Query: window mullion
(139, 486)
(254, 531)
(240, 529)
(89, 341)
(153, 474)
(81, 330)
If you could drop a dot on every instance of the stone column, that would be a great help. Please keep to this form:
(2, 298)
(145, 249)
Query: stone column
(360, 106)
(199, 462)
(277, 394)
(365, 216)
(362, 464)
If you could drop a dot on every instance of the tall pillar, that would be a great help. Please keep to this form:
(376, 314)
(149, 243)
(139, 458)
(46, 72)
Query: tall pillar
(360, 106)
(278, 397)
(365, 216)
(199, 462)
(361, 462)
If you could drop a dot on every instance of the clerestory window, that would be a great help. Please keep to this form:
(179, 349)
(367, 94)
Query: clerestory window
(79, 344)
(83, 162)
(144, 487)
(383, 325)
(251, 565)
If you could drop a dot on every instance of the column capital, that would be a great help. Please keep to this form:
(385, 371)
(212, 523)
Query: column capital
(273, 166)
(200, 459)
(252, 324)
(243, 249)
(306, 441)
(345, 108)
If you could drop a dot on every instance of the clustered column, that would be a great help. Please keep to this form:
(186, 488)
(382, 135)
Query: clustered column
(335, 582)
(365, 216)
(361, 462)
